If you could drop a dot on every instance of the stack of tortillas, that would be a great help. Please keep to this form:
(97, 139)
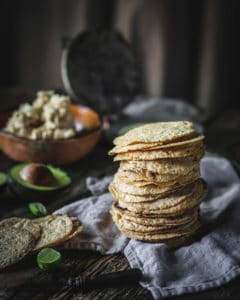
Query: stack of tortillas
(19, 237)
(158, 188)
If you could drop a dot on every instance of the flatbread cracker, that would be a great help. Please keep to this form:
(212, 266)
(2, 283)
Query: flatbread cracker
(164, 167)
(160, 132)
(150, 189)
(55, 229)
(145, 178)
(162, 228)
(156, 214)
(189, 193)
(183, 206)
(170, 242)
(159, 154)
(15, 244)
(154, 146)
(157, 188)
(189, 202)
(22, 223)
(130, 198)
(159, 220)
(156, 235)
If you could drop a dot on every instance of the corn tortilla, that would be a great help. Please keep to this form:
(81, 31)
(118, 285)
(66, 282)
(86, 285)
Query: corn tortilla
(159, 154)
(144, 179)
(162, 228)
(160, 220)
(155, 146)
(54, 230)
(173, 198)
(15, 244)
(151, 189)
(157, 235)
(22, 223)
(160, 132)
(164, 167)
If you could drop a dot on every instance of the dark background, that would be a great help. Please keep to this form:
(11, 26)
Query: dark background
(187, 49)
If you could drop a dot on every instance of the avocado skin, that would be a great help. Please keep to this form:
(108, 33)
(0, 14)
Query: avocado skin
(28, 194)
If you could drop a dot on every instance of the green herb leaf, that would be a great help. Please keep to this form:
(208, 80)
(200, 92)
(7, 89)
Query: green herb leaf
(48, 259)
(37, 209)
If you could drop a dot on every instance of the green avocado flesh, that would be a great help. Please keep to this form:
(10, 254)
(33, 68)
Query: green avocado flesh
(3, 178)
(62, 178)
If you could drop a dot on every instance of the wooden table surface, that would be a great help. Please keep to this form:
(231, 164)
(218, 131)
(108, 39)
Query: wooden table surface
(86, 262)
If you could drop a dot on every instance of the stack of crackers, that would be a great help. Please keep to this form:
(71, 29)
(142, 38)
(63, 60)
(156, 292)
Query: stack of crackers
(21, 236)
(157, 188)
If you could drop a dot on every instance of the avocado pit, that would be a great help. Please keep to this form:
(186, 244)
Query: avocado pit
(37, 182)
(38, 174)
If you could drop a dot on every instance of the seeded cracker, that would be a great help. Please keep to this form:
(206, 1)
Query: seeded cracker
(15, 244)
(162, 133)
(54, 230)
(177, 152)
(157, 188)
(155, 146)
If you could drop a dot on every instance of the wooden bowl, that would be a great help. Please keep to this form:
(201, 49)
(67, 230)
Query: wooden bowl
(62, 151)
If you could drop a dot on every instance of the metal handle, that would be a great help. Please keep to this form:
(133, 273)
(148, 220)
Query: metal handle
(110, 280)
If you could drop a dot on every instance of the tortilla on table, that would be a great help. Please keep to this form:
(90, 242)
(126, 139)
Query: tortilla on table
(15, 244)
(188, 193)
(154, 146)
(55, 229)
(145, 178)
(156, 228)
(157, 220)
(164, 167)
(157, 236)
(177, 152)
(22, 223)
(149, 189)
(159, 132)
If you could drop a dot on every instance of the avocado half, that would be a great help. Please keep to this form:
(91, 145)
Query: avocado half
(32, 192)
(3, 180)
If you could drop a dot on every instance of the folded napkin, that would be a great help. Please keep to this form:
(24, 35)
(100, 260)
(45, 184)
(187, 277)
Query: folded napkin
(209, 262)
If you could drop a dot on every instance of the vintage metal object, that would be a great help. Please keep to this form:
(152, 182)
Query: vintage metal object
(99, 70)
(110, 280)
(84, 283)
